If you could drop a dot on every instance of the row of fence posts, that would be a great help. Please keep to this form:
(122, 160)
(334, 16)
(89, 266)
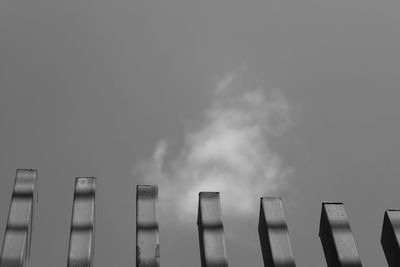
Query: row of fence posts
(335, 232)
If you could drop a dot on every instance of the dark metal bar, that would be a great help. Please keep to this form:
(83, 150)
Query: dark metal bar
(336, 237)
(211, 231)
(390, 237)
(274, 235)
(81, 243)
(147, 242)
(17, 238)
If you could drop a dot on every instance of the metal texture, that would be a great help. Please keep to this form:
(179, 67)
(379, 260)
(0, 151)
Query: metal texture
(81, 242)
(211, 231)
(274, 235)
(336, 237)
(17, 237)
(147, 242)
(391, 236)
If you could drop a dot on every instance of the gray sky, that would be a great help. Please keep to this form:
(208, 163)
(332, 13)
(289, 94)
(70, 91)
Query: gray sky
(91, 88)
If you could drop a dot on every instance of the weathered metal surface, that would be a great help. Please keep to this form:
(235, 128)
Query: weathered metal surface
(274, 236)
(336, 237)
(81, 243)
(211, 231)
(17, 238)
(147, 242)
(390, 238)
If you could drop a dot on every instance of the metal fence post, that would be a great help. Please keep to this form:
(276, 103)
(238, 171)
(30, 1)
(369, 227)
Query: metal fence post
(17, 237)
(390, 237)
(147, 242)
(274, 235)
(81, 242)
(336, 237)
(211, 231)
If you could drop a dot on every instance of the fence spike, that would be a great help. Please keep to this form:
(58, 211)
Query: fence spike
(336, 237)
(17, 237)
(81, 242)
(147, 241)
(274, 235)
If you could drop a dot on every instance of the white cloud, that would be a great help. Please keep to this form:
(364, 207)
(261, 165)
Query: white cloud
(228, 152)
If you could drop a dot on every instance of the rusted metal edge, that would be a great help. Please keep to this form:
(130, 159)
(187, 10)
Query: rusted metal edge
(147, 240)
(390, 237)
(211, 231)
(17, 237)
(336, 237)
(274, 235)
(81, 243)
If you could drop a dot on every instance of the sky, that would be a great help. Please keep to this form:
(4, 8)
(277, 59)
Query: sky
(297, 99)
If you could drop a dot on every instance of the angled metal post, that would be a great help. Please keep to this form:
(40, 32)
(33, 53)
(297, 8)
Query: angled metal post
(274, 235)
(81, 242)
(17, 238)
(147, 242)
(336, 237)
(390, 237)
(211, 231)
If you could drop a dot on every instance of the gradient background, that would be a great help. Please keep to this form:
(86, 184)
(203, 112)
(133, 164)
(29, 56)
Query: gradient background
(88, 88)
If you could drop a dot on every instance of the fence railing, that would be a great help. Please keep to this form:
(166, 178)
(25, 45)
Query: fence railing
(335, 232)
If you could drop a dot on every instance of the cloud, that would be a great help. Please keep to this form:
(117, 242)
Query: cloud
(229, 151)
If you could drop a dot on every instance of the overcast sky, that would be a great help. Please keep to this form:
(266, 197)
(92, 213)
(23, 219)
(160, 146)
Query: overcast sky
(298, 99)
